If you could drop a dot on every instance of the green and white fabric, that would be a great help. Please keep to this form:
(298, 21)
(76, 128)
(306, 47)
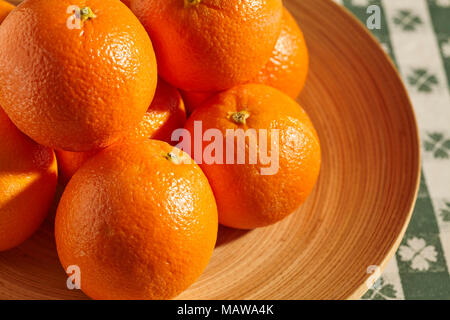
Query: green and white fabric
(416, 34)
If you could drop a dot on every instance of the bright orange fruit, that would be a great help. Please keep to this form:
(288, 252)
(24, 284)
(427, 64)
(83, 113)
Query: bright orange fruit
(251, 195)
(69, 162)
(286, 70)
(28, 175)
(5, 9)
(288, 67)
(209, 45)
(73, 84)
(165, 114)
(138, 221)
(194, 99)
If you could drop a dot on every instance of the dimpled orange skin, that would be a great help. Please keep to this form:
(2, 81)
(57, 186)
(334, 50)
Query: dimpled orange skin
(288, 67)
(75, 89)
(245, 198)
(286, 70)
(5, 9)
(28, 175)
(209, 45)
(165, 114)
(137, 224)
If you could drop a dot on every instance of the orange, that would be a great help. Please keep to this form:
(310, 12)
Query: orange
(165, 114)
(288, 67)
(5, 9)
(75, 87)
(138, 221)
(210, 45)
(259, 193)
(194, 99)
(286, 70)
(28, 175)
(69, 162)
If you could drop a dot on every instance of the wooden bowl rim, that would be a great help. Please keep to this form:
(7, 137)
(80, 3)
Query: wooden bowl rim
(362, 289)
(359, 291)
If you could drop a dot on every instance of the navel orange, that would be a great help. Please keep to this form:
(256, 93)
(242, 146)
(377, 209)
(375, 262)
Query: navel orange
(276, 133)
(28, 176)
(139, 221)
(75, 84)
(165, 114)
(286, 70)
(5, 9)
(209, 45)
(194, 99)
(288, 67)
(69, 162)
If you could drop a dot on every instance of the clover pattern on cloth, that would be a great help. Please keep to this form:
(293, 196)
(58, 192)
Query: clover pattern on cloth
(422, 80)
(437, 144)
(417, 36)
(407, 20)
(445, 211)
(381, 290)
(419, 255)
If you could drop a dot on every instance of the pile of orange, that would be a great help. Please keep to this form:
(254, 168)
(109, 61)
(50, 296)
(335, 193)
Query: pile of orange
(109, 88)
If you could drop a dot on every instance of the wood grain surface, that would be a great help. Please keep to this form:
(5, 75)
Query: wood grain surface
(357, 214)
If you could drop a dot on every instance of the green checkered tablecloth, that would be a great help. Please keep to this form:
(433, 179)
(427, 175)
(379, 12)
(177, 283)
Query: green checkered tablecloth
(416, 34)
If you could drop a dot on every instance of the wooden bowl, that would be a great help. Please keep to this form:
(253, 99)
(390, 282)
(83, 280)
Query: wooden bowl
(357, 214)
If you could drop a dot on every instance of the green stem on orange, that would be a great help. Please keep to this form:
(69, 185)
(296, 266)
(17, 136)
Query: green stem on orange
(239, 117)
(86, 13)
(191, 3)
